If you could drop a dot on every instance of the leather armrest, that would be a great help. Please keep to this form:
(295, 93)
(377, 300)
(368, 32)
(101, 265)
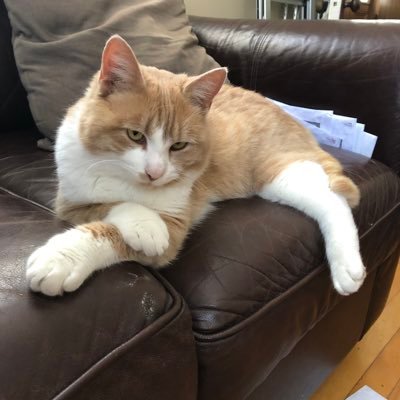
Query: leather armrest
(351, 68)
(126, 334)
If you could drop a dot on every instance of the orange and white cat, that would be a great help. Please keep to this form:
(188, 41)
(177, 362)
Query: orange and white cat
(144, 154)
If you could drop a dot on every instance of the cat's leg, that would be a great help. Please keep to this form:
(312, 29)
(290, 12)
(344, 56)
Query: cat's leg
(128, 232)
(142, 229)
(156, 238)
(304, 185)
(69, 258)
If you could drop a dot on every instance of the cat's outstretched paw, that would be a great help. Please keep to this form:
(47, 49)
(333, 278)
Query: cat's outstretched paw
(59, 266)
(142, 229)
(348, 276)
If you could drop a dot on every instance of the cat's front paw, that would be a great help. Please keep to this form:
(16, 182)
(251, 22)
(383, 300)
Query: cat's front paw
(149, 236)
(57, 267)
(142, 229)
(348, 275)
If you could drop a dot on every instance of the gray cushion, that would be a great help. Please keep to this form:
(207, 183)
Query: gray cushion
(58, 45)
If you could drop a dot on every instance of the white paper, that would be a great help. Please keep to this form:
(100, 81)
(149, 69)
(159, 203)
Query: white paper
(334, 130)
(367, 144)
(323, 136)
(342, 127)
(366, 393)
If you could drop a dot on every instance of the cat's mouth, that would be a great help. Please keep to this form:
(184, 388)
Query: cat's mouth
(145, 181)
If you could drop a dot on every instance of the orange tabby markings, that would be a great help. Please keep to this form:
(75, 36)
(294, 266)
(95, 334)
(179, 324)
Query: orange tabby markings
(170, 145)
(101, 230)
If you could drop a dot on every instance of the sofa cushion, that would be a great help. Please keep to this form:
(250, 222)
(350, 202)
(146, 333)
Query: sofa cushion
(26, 170)
(250, 252)
(58, 46)
(256, 280)
(246, 254)
(253, 272)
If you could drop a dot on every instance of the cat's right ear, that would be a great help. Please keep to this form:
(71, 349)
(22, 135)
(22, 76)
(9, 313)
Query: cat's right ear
(203, 88)
(120, 70)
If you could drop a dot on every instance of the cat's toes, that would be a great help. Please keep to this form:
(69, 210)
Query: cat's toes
(348, 277)
(357, 270)
(52, 272)
(35, 272)
(152, 238)
(143, 229)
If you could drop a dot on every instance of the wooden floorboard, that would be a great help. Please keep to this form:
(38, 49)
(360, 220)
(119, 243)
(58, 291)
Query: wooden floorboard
(383, 374)
(395, 393)
(374, 361)
(395, 285)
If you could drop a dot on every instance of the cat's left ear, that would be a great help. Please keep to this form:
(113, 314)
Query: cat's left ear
(119, 67)
(203, 88)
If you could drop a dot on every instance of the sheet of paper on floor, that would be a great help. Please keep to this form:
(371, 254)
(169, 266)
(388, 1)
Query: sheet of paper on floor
(366, 393)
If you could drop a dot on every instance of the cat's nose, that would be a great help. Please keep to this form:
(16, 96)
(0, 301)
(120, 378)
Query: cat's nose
(150, 177)
(155, 173)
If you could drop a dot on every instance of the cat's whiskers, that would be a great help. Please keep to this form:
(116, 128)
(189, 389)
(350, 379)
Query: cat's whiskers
(119, 163)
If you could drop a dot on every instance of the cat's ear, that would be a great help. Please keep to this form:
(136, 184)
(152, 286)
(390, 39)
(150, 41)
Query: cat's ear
(119, 67)
(203, 88)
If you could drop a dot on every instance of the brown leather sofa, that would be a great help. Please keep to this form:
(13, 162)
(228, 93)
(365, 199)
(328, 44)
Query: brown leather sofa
(248, 311)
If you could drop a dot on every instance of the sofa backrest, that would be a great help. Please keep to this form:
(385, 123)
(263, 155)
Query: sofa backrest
(374, 101)
(14, 108)
(350, 67)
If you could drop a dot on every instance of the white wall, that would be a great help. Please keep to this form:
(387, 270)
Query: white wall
(222, 8)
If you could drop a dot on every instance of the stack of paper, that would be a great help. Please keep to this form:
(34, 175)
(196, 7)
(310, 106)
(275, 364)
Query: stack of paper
(334, 130)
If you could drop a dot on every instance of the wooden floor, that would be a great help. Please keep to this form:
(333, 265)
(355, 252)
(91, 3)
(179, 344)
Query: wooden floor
(374, 361)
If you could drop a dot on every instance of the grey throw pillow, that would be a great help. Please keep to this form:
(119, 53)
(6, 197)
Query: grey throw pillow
(58, 46)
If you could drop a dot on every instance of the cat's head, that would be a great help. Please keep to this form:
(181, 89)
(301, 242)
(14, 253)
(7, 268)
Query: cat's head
(151, 121)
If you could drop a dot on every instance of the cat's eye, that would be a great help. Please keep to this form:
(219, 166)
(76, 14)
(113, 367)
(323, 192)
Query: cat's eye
(178, 146)
(136, 136)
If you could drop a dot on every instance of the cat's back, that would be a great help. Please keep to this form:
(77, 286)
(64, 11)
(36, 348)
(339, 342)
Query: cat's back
(240, 121)
(233, 100)
(250, 132)
(257, 120)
